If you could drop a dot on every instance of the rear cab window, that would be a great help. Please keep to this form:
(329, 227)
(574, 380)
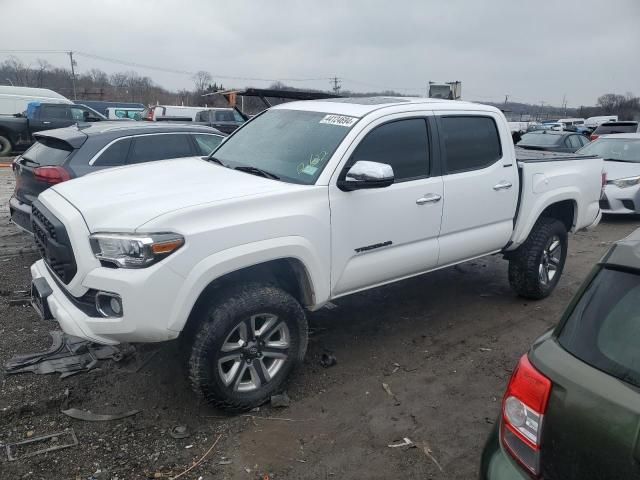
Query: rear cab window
(471, 142)
(603, 330)
(48, 151)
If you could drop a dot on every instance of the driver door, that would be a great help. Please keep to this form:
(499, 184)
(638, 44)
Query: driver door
(384, 234)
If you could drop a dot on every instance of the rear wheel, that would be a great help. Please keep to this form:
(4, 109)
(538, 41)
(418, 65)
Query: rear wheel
(536, 266)
(247, 346)
(5, 146)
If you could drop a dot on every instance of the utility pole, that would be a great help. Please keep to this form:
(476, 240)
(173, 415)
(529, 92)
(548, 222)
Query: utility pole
(564, 104)
(506, 98)
(73, 74)
(335, 81)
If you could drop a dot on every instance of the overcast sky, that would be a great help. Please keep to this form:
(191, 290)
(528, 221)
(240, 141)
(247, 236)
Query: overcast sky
(532, 50)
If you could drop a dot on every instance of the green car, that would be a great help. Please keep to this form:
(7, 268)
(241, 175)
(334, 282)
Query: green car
(572, 406)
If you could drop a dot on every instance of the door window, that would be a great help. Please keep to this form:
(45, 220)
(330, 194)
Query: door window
(55, 112)
(471, 143)
(206, 143)
(403, 144)
(115, 154)
(574, 140)
(149, 148)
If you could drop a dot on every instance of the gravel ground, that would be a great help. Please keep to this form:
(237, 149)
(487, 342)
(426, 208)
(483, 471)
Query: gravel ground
(444, 343)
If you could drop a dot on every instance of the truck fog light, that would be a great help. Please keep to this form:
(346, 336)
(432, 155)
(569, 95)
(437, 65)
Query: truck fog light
(109, 304)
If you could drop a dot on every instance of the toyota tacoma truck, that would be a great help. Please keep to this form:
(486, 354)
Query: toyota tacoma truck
(305, 203)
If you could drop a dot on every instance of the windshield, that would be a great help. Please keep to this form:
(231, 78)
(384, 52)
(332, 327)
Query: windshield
(604, 327)
(294, 145)
(539, 139)
(624, 149)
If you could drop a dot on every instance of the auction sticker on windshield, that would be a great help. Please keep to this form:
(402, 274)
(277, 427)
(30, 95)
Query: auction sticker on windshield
(340, 120)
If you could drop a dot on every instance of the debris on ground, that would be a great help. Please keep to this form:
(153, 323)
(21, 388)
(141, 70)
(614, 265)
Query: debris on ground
(225, 461)
(280, 401)
(13, 453)
(427, 451)
(195, 464)
(484, 349)
(387, 389)
(97, 417)
(327, 360)
(179, 431)
(406, 443)
(67, 355)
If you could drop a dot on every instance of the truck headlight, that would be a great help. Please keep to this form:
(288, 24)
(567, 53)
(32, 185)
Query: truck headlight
(625, 182)
(134, 251)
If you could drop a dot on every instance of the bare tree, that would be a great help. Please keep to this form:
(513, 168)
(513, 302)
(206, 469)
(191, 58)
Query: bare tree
(43, 68)
(202, 81)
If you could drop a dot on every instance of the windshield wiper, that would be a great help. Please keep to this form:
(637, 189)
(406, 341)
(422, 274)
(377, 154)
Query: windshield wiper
(618, 160)
(257, 171)
(214, 159)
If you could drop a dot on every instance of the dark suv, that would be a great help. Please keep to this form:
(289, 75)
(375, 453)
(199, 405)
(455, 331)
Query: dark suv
(572, 406)
(615, 127)
(66, 153)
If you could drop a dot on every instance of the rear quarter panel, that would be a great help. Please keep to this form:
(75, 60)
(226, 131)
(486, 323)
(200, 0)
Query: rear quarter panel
(550, 181)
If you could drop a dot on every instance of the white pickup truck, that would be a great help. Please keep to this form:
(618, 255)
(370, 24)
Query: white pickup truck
(307, 202)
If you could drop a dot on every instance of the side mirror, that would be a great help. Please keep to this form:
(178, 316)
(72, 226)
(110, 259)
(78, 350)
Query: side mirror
(364, 174)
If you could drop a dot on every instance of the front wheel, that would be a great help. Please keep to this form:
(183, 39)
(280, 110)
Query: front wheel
(247, 346)
(536, 266)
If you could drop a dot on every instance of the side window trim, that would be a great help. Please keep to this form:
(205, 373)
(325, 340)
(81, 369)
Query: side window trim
(430, 143)
(443, 147)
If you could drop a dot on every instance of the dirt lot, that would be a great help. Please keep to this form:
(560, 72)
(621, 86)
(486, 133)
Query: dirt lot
(444, 343)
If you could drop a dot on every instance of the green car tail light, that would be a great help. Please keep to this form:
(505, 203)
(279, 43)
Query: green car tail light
(523, 408)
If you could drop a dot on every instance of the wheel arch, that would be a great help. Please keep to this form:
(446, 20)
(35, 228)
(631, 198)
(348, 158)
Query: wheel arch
(289, 263)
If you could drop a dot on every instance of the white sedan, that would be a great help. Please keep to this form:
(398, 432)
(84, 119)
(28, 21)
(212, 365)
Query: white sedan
(621, 153)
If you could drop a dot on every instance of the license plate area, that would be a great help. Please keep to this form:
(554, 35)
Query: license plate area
(40, 290)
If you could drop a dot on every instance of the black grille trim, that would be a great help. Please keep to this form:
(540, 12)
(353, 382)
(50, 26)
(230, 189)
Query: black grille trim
(53, 243)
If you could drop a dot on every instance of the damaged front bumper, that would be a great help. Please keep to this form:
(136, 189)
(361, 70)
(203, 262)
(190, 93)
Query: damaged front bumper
(144, 309)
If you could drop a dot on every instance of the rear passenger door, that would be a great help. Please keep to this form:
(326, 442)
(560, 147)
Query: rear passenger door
(153, 147)
(480, 185)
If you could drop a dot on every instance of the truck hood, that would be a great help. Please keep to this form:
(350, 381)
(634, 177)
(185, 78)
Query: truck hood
(124, 198)
(616, 170)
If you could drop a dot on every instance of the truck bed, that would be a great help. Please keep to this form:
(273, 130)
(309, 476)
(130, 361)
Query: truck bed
(530, 156)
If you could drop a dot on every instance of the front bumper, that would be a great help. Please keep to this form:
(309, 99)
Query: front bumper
(620, 200)
(496, 464)
(147, 298)
(20, 215)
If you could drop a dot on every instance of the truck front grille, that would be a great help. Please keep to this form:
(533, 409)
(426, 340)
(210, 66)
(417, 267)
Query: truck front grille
(53, 243)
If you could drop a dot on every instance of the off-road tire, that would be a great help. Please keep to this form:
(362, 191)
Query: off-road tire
(220, 319)
(524, 263)
(5, 146)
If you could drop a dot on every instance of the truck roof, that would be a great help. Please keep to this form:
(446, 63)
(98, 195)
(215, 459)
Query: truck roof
(361, 106)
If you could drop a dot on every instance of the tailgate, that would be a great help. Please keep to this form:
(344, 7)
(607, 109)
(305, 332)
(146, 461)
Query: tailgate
(591, 425)
(548, 178)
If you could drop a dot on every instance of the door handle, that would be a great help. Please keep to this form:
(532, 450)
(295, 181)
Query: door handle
(503, 185)
(429, 198)
(46, 123)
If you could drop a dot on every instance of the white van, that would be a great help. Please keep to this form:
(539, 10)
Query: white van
(593, 122)
(157, 112)
(15, 99)
(571, 122)
(117, 113)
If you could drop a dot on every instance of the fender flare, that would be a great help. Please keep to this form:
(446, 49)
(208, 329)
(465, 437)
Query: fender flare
(523, 226)
(250, 254)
